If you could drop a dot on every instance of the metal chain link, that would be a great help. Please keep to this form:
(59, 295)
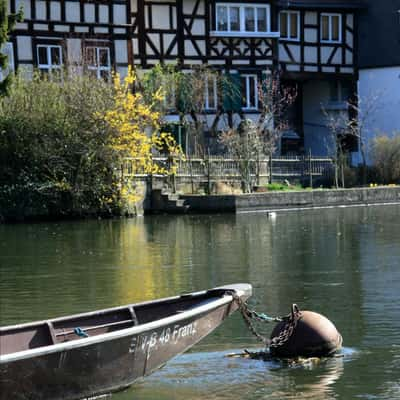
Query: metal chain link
(249, 315)
(290, 326)
(246, 314)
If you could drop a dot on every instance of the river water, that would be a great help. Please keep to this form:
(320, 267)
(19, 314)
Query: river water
(343, 263)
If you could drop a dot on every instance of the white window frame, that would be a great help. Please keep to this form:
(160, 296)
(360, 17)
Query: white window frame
(288, 26)
(7, 49)
(97, 67)
(246, 89)
(49, 67)
(242, 20)
(330, 16)
(207, 105)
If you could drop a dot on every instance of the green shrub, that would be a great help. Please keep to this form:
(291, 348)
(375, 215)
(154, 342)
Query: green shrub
(386, 158)
(54, 152)
(282, 186)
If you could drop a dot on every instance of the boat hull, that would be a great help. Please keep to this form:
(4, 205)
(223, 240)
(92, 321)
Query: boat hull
(107, 365)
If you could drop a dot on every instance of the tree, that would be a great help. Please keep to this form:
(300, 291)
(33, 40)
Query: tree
(135, 121)
(352, 123)
(386, 157)
(186, 94)
(336, 123)
(362, 111)
(251, 141)
(7, 23)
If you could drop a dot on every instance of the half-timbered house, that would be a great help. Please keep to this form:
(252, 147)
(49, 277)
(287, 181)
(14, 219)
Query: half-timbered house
(70, 33)
(312, 43)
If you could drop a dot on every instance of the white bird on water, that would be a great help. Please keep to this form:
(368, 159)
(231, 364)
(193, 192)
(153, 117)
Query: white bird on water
(271, 215)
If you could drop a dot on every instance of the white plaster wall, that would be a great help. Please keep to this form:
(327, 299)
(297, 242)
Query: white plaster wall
(310, 35)
(40, 10)
(160, 16)
(24, 46)
(55, 10)
(26, 6)
(119, 14)
(121, 52)
(74, 51)
(103, 14)
(310, 54)
(89, 12)
(198, 27)
(284, 55)
(326, 52)
(310, 18)
(316, 135)
(384, 83)
(72, 12)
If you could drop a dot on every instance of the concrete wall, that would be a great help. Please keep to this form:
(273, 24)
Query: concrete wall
(383, 83)
(317, 198)
(274, 201)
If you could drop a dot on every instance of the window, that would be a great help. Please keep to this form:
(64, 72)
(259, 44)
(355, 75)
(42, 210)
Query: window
(210, 93)
(98, 61)
(7, 50)
(331, 28)
(250, 19)
(250, 92)
(49, 57)
(339, 91)
(289, 25)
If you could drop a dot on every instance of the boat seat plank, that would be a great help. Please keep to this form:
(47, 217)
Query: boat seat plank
(91, 328)
(51, 332)
(134, 316)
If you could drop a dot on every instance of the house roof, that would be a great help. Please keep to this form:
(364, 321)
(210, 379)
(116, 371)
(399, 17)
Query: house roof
(322, 4)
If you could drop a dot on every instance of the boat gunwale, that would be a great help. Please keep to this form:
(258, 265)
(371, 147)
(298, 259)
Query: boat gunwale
(118, 334)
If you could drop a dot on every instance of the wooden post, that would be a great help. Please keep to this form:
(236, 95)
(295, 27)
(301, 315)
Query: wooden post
(173, 180)
(270, 167)
(310, 167)
(190, 172)
(208, 172)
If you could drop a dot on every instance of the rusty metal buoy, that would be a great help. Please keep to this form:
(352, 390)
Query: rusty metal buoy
(304, 334)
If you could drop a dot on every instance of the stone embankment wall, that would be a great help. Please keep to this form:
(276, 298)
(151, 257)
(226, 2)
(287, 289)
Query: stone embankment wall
(275, 201)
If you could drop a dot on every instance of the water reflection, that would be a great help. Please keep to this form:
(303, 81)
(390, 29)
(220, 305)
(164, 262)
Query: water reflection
(342, 263)
(214, 376)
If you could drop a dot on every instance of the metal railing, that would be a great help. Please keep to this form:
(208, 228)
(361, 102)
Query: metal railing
(214, 168)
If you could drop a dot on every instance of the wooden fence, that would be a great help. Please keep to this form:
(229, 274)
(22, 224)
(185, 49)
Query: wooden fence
(217, 168)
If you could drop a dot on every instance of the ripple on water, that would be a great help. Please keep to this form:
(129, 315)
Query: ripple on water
(215, 376)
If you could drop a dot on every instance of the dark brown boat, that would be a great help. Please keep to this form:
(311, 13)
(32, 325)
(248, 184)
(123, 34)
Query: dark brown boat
(100, 352)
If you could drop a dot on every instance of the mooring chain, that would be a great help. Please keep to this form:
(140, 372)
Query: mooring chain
(250, 315)
(247, 317)
(290, 326)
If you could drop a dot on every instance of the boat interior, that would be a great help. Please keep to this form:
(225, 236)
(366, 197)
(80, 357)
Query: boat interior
(59, 330)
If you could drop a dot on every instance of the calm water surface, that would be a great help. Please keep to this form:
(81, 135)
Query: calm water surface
(343, 263)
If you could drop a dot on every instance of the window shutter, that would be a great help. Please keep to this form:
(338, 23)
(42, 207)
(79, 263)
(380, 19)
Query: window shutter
(232, 93)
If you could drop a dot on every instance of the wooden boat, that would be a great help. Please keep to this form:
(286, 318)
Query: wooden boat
(100, 352)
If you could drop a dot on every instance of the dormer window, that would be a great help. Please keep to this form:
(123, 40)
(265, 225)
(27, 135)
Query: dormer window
(232, 19)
